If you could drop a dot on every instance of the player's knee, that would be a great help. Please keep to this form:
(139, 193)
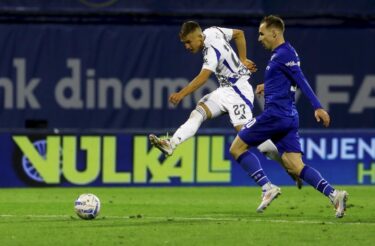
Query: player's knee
(296, 170)
(285, 160)
(237, 150)
(293, 165)
(234, 152)
(201, 112)
(288, 163)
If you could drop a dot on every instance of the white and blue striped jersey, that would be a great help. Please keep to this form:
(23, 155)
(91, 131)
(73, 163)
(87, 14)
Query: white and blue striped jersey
(220, 58)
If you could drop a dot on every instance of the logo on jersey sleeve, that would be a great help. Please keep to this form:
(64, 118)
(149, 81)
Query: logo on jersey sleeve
(292, 63)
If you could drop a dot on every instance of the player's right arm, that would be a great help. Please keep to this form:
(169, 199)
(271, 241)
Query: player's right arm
(197, 82)
(239, 39)
(210, 62)
(260, 89)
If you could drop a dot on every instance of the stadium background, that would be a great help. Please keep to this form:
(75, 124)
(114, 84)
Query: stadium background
(83, 82)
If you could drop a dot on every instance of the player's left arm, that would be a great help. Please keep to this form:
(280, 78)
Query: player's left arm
(197, 82)
(321, 114)
(299, 78)
(240, 41)
(260, 89)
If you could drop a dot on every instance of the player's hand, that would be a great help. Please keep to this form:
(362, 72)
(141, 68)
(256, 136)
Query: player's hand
(321, 114)
(250, 65)
(260, 89)
(175, 98)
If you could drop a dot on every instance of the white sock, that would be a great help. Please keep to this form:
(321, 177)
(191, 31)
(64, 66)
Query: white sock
(267, 186)
(332, 195)
(188, 129)
(269, 149)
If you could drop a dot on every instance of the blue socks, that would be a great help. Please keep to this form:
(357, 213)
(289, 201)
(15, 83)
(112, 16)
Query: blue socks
(251, 164)
(315, 179)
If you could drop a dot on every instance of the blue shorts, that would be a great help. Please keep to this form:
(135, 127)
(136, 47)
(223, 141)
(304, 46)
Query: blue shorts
(283, 131)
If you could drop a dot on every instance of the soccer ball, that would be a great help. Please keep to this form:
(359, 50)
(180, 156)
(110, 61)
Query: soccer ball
(87, 206)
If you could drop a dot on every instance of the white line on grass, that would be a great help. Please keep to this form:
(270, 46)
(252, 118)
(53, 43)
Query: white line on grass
(141, 217)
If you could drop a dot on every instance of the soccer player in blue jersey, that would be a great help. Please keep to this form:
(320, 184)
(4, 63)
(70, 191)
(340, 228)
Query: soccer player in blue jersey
(279, 121)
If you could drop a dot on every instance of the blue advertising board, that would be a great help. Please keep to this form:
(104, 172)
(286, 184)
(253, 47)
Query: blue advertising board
(125, 159)
(113, 76)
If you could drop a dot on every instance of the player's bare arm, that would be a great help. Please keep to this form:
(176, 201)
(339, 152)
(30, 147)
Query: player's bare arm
(197, 82)
(240, 41)
(321, 114)
(250, 65)
(260, 89)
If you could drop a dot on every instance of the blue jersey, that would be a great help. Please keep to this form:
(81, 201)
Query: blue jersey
(282, 77)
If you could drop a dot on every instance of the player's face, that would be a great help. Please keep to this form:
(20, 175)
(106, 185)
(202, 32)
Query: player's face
(193, 41)
(266, 36)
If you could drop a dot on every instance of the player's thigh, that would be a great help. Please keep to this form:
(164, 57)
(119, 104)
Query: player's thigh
(238, 147)
(289, 142)
(238, 128)
(293, 162)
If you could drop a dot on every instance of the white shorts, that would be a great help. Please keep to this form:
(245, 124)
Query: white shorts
(237, 101)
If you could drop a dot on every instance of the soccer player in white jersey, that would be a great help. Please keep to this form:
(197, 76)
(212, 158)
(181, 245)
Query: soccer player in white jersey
(234, 96)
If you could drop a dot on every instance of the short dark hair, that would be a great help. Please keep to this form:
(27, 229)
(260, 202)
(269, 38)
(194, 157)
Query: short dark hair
(273, 21)
(188, 27)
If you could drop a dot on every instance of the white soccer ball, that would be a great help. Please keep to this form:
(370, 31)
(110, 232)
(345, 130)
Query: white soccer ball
(87, 206)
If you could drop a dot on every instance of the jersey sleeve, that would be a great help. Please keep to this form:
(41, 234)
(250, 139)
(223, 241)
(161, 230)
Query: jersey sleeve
(227, 32)
(210, 59)
(292, 69)
(305, 87)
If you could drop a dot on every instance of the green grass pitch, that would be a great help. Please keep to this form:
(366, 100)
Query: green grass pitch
(185, 216)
